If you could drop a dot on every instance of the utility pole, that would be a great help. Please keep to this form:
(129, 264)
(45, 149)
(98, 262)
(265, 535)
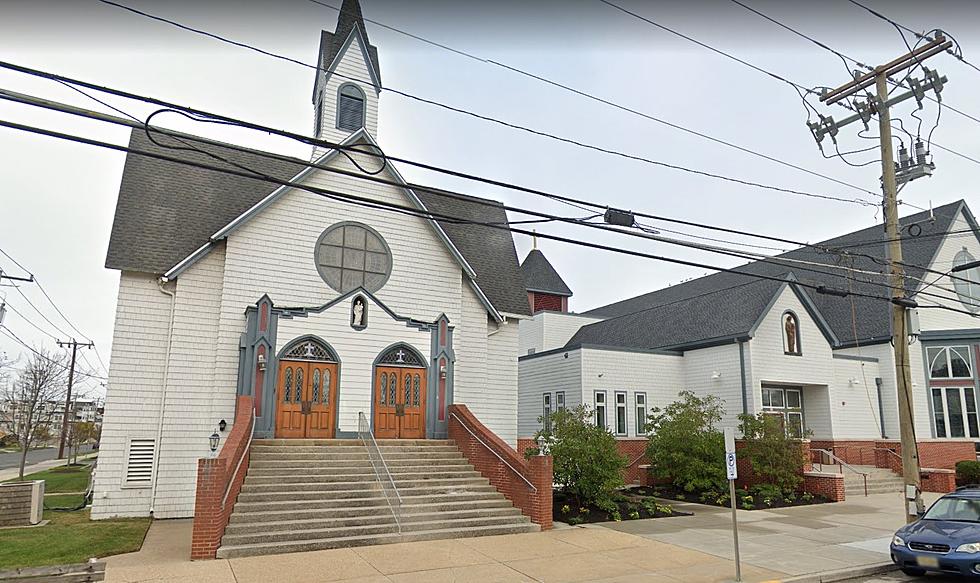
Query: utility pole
(879, 105)
(71, 379)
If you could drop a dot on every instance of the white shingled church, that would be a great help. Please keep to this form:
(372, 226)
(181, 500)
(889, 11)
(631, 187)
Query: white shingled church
(319, 310)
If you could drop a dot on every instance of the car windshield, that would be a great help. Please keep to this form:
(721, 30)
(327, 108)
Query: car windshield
(958, 509)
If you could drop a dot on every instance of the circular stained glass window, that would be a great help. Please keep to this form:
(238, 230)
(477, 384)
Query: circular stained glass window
(352, 255)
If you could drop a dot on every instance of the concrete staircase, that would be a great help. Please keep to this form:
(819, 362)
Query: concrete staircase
(880, 481)
(304, 495)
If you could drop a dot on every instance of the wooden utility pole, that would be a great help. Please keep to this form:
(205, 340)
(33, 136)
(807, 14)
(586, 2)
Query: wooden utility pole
(879, 106)
(71, 379)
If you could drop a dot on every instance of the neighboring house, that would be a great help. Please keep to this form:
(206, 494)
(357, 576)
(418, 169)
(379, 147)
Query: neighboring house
(319, 309)
(823, 363)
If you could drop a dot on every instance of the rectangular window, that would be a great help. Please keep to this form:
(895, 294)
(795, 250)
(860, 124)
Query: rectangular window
(600, 409)
(560, 401)
(787, 404)
(620, 413)
(546, 411)
(954, 411)
(971, 411)
(939, 412)
(641, 413)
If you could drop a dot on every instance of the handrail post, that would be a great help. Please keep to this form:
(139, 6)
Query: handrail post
(367, 438)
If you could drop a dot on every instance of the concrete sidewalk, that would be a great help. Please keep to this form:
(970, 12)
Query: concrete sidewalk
(11, 473)
(567, 555)
(797, 541)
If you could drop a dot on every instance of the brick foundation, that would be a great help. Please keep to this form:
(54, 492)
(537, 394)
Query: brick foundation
(855, 452)
(938, 480)
(830, 486)
(506, 469)
(211, 509)
(939, 454)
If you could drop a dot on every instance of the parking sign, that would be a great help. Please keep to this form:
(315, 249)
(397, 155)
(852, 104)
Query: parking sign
(731, 465)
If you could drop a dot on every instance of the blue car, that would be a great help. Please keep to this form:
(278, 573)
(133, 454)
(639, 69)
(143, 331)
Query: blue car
(945, 540)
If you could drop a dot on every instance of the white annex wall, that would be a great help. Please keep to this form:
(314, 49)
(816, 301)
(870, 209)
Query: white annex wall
(932, 319)
(352, 66)
(496, 407)
(854, 400)
(770, 363)
(531, 335)
(547, 374)
(886, 371)
(660, 376)
(357, 351)
(700, 368)
(550, 330)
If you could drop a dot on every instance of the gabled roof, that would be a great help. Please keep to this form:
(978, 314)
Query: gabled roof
(170, 214)
(333, 44)
(541, 276)
(717, 298)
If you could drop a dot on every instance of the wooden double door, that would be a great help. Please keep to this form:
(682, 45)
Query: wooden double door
(399, 403)
(306, 399)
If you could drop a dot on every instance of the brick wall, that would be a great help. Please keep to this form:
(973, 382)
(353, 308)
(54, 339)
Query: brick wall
(217, 476)
(854, 452)
(940, 454)
(504, 467)
(937, 480)
(831, 486)
(632, 449)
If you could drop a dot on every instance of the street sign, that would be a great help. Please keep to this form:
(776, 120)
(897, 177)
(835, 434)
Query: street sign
(731, 465)
(731, 468)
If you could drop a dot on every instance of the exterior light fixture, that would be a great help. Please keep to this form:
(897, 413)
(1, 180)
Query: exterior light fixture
(442, 371)
(213, 442)
(262, 362)
(715, 375)
(222, 425)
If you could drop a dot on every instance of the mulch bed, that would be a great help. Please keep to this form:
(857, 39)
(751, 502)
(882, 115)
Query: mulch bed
(630, 504)
(756, 502)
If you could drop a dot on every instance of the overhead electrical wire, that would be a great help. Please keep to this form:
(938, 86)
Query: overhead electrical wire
(547, 134)
(13, 336)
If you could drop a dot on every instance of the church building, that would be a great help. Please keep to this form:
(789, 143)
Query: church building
(324, 311)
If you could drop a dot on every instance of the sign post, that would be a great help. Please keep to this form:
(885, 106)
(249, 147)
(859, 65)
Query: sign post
(731, 467)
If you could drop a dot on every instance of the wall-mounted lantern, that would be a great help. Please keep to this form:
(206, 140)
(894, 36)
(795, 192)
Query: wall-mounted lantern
(262, 362)
(213, 442)
(222, 425)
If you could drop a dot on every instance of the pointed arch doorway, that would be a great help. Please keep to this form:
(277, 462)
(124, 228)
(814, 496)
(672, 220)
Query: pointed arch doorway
(399, 394)
(306, 390)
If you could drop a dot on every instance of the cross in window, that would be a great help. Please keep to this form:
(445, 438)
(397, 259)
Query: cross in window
(401, 355)
(309, 350)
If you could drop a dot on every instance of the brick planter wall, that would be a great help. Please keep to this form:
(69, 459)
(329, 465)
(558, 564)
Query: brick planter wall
(482, 448)
(824, 484)
(211, 510)
(938, 480)
(940, 454)
(855, 452)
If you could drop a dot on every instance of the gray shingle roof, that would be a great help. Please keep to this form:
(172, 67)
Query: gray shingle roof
(724, 310)
(541, 276)
(167, 210)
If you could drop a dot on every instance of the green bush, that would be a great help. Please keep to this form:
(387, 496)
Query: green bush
(684, 445)
(767, 491)
(967, 472)
(587, 463)
(775, 458)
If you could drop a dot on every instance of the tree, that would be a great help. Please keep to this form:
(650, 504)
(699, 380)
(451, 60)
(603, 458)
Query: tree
(32, 399)
(82, 432)
(774, 456)
(684, 445)
(587, 463)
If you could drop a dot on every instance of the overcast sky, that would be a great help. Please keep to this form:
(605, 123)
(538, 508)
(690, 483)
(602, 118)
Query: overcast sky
(58, 198)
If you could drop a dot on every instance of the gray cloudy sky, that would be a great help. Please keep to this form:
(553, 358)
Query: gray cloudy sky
(58, 198)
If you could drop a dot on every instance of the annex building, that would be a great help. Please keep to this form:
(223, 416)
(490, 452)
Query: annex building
(320, 310)
(823, 363)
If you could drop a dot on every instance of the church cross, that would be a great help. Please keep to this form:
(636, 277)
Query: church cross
(401, 356)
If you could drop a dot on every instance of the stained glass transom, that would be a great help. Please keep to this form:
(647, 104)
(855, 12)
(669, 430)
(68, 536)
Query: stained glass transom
(352, 255)
(400, 356)
(309, 350)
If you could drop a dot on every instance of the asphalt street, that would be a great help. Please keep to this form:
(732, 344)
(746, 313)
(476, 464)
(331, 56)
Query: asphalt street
(898, 576)
(11, 460)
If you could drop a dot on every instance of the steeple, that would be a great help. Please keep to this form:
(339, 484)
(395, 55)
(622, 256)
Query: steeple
(546, 290)
(346, 88)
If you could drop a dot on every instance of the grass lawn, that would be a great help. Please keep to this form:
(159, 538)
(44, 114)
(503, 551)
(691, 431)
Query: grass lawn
(62, 478)
(70, 537)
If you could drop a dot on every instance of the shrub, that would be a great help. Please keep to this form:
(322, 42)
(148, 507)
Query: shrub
(650, 506)
(616, 516)
(774, 457)
(767, 491)
(665, 509)
(967, 472)
(575, 520)
(566, 509)
(587, 463)
(807, 497)
(684, 445)
(634, 515)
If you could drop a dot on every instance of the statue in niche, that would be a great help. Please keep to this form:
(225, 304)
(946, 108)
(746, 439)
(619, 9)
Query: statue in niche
(357, 313)
(792, 336)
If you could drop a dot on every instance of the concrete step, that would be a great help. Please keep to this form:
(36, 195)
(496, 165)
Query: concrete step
(294, 478)
(261, 503)
(351, 442)
(369, 482)
(374, 516)
(361, 463)
(328, 455)
(231, 551)
(243, 514)
(384, 449)
(299, 532)
(304, 495)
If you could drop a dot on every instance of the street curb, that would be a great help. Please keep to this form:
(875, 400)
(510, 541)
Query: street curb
(844, 574)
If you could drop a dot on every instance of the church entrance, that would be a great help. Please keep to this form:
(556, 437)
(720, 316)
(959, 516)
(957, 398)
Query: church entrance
(306, 394)
(399, 395)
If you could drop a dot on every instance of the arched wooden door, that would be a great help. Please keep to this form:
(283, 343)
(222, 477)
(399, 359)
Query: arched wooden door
(306, 395)
(399, 395)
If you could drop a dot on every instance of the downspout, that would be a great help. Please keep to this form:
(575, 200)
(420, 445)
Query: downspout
(741, 365)
(881, 407)
(163, 396)
(500, 326)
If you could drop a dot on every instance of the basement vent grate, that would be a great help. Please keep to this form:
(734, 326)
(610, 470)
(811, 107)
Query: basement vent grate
(139, 463)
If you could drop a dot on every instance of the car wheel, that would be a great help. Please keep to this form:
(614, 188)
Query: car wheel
(912, 572)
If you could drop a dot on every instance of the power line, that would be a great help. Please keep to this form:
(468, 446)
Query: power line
(10, 334)
(539, 132)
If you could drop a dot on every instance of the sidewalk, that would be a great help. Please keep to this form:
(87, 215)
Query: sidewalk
(11, 473)
(796, 541)
(588, 554)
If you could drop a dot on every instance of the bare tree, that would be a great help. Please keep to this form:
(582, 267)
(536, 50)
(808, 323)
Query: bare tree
(31, 400)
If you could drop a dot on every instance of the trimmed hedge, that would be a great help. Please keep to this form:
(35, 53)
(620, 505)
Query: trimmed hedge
(967, 472)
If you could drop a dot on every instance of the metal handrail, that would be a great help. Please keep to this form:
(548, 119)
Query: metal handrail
(494, 452)
(891, 451)
(842, 464)
(379, 467)
(241, 459)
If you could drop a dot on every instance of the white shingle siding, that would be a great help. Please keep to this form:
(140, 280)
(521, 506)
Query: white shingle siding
(547, 374)
(531, 335)
(854, 405)
(770, 364)
(934, 319)
(699, 368)
(550, 330)
(352, 67)
(498, 406)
